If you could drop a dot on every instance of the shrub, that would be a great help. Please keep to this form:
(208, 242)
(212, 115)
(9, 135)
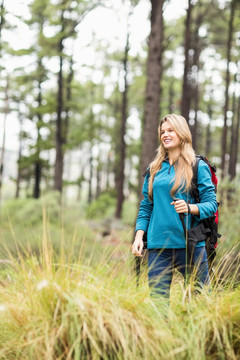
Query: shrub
(30, 211)
(103, 206)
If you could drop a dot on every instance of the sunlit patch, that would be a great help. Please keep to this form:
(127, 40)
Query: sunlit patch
(42, 284)
(3, 307)
(80, 304)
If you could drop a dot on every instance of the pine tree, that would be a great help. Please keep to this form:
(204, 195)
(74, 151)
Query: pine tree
(227, 83)
(151, 111)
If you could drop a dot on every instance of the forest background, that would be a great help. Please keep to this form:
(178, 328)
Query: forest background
(80, 106)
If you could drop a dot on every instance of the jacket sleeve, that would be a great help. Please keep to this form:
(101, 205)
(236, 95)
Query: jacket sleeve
(145, 209)
(208, 203)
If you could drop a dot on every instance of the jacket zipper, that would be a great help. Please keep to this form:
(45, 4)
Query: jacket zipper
(169, 169)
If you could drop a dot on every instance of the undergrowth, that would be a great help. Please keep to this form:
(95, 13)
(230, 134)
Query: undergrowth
(67, 294)
(53, 307)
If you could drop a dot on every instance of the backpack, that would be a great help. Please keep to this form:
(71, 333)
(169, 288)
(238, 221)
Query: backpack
(207, 230)
(211, 223)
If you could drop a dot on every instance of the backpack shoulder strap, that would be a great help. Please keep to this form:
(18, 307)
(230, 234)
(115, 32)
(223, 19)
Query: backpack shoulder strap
(194, 189)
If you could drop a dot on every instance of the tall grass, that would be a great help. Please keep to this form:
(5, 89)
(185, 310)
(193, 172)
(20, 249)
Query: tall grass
(66, 294)
(65, 306)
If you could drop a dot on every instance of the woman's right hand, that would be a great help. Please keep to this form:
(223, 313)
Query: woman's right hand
(137, 246)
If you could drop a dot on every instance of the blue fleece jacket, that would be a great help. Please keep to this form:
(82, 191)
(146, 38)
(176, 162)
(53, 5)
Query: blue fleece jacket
(160, 218)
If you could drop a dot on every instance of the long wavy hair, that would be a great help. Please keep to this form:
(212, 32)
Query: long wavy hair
(183, 167)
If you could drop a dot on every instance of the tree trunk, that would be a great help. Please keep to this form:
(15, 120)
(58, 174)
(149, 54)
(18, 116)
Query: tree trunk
(163, 48)
(19, 157)
(196, 63)
(68, 98)
(59, 122)
(151, 111)
(6, 111)
(98, 178)
(80, 181)
(90, 177)
(185, 102)
(37, 173)
(225, 127)
(194, 128)
(234, 137)
(108, 170)
(122, 148)
(38, 163)
(171, 98)
(2, 20)
(237, 138)
(208, 132)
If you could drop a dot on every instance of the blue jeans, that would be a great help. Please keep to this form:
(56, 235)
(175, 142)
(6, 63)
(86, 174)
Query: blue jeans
(162, 262)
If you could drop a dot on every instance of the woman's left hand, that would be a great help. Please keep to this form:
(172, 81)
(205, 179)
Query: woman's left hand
(180, 206)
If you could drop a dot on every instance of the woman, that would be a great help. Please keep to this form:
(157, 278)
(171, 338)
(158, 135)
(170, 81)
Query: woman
(169, 177)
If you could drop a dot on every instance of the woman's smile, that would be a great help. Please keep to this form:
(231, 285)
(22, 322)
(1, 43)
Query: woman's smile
(169, 137)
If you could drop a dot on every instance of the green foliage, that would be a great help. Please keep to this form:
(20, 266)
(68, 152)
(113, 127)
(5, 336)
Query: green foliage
(91, 105)
(30, 211)
(103, 206)
(22, 226)
(130, 210)
(229, 211)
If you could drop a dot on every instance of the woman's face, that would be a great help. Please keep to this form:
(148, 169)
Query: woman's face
(169, 137)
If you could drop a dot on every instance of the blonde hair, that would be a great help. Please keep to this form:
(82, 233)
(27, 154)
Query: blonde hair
(183, 169)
